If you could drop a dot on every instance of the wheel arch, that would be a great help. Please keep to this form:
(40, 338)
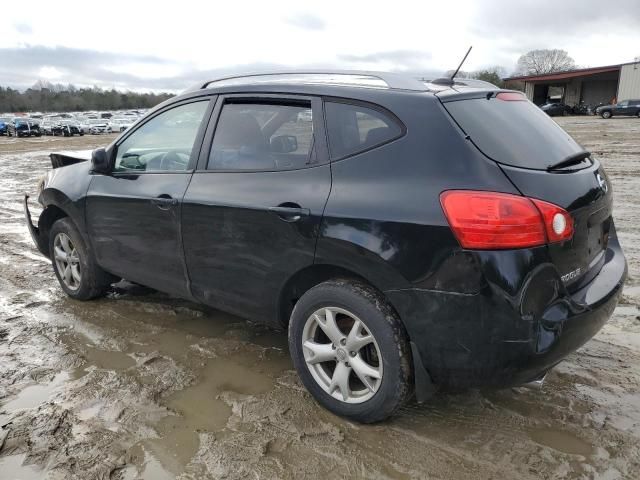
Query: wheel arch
(48, 217)
(310, 276)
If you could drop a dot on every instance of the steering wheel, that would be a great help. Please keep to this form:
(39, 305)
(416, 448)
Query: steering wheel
(171, 159)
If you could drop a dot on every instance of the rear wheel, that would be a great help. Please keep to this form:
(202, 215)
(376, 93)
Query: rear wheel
(605, 114)
(351, 350)
(73, 263)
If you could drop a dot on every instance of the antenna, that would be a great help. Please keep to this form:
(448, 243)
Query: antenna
(449, 80)
(461, 63)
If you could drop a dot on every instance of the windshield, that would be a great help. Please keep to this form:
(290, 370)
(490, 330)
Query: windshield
(514, 133)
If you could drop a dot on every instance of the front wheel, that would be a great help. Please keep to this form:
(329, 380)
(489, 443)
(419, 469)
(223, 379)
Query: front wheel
(350, 350)
(73, 263)
(605, 114)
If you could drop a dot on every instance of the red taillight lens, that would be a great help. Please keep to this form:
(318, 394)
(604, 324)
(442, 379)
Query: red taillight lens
(511, 97)
(493, 221)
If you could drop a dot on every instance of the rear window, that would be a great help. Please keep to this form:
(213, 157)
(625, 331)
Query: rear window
(514, 133)
(354, 128)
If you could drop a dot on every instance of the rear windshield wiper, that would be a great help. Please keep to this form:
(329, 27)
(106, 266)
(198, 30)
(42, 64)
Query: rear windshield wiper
(573, 159)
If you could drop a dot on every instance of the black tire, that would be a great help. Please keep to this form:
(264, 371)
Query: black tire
(381, 321)
(605, 114)
(94, 281)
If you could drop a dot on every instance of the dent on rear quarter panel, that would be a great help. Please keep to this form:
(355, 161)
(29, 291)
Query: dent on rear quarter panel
(383, 218)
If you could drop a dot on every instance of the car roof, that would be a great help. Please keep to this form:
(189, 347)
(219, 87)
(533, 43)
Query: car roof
(320, 81)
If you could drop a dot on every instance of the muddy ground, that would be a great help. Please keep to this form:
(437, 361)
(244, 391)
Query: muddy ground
(141, 385)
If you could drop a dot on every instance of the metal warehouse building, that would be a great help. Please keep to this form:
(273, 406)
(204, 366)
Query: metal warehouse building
(589, 85)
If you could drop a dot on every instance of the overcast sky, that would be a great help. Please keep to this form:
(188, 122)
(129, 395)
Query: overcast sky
(169, 46)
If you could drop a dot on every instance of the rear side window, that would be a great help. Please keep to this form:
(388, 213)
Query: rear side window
(354, 128)
(515, 133)
(254, 136)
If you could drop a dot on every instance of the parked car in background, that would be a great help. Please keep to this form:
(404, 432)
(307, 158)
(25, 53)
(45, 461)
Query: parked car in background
(556, 108)
(629, 108)
(98, 126)
(50, 125)
(3, 125)
(23, 127)
(71, 128)
(83, 123)
(120, 124)
(394, 269)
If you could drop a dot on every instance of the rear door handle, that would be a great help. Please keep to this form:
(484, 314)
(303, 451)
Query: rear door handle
(164, 202)
(290, 213)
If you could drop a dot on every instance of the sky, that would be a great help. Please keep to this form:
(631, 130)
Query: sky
(169, 46)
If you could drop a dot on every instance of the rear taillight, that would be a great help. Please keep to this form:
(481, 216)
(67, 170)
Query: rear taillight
(493, 221)
(511, 97)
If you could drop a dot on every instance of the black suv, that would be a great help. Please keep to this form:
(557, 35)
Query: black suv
(23, 127)
(629, 108)
(409, 235)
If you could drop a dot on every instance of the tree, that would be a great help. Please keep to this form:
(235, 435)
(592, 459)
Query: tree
(48, 97)
(538, 62)
(492, 75)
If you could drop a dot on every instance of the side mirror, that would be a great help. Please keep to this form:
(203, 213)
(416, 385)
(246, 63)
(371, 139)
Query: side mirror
(284, 144)
(100, 161)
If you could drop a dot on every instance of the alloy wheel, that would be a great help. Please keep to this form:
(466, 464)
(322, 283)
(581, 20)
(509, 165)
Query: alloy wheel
(67, 261)
(342, 355)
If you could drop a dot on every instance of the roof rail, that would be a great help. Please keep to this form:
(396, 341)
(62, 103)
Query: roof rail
(352, 78)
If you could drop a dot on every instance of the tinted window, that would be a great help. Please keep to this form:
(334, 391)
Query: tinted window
(353, 128)
(513, 132)
(253, 136)
(164, 142)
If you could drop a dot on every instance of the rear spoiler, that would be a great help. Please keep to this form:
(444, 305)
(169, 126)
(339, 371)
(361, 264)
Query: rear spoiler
(62, 159)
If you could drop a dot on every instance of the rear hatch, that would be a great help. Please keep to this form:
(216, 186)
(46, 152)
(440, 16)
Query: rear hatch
(543, 162)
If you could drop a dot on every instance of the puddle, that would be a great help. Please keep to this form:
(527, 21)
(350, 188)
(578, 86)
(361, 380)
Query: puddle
(34, 395)
(561, 441)
(11, 468)
(146, 467)
(200, 410)
(108, 359)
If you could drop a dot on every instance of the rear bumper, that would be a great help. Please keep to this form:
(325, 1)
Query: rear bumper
(515, 328)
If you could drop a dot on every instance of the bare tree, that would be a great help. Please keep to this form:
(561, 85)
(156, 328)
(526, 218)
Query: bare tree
(544, 61)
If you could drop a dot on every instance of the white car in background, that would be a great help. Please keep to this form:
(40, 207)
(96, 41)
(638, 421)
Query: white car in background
(99, 125)
(121, 124)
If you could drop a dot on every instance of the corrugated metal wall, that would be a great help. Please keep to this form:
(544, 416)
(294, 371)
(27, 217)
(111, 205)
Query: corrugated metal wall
(528, 90)
(572, 92)
(629, 86)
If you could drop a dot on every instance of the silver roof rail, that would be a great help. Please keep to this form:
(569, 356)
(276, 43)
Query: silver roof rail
(349, 78)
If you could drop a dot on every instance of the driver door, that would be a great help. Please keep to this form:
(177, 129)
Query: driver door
(133, 213)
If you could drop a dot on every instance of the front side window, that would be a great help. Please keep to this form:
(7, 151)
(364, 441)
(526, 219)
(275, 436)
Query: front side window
(354, 128)
(164, 143)
(255, 136)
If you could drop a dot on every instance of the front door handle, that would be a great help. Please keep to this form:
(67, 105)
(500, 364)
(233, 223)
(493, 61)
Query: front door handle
(290, 212)
(164, 202)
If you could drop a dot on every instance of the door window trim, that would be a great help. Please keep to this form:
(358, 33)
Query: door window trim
(372, 106)
(319, 142)
(197, 143)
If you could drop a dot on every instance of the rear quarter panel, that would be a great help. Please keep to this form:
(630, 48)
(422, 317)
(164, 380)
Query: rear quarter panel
(383, 219)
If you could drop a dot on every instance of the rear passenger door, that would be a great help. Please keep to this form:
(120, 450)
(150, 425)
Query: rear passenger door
(251, 213)
(621, 108)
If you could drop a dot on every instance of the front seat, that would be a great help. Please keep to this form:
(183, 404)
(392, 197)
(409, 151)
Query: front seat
(239, 144)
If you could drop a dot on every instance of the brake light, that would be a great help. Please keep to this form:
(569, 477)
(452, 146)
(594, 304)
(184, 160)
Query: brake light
(511, 97)
(494, 221)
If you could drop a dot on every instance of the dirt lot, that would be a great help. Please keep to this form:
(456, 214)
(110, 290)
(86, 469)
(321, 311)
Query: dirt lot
(140, 385)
